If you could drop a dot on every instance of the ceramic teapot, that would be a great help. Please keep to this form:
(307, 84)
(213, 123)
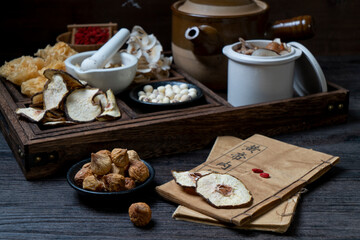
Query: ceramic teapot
(201, 28)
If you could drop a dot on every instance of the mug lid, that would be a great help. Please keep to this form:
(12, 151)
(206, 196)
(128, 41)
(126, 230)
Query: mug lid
(308, 75)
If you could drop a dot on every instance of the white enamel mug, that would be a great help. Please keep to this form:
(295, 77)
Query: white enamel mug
(255, 79)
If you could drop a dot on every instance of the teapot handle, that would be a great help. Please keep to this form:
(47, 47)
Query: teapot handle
(296, 28)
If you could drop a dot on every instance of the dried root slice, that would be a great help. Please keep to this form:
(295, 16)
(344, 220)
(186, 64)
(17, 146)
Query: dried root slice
(188, 179)
(63, 123)
(55, 90)
(33, 114)
(111, 109)
(80, 106)
(37, 100)
(70, 81)
(223, 191)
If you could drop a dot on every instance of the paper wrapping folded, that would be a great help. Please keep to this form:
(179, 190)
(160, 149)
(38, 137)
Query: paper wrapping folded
(289, 166)
(277, 219)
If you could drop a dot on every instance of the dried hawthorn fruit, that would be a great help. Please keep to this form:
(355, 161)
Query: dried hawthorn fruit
(138, 171)
(140, 214)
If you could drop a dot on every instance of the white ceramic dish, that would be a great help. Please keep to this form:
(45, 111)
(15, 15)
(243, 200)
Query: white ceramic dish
(117, 79)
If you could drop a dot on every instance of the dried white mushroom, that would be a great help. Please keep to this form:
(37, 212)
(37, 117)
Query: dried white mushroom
(80, 105)
(152, 64)
(223, 190)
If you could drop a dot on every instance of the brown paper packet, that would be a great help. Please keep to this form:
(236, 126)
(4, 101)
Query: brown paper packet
(277, 220)
(290, 168)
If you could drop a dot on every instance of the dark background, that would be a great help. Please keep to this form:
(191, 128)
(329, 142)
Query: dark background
(29, 25)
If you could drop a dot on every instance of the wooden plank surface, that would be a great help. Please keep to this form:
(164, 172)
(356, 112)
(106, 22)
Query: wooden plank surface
(330, 209)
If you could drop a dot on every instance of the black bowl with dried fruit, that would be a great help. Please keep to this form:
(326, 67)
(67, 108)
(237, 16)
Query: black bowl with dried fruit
(101, 186)
(166, 95)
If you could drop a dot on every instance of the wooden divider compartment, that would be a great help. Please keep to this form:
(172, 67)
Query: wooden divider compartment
(42, 151)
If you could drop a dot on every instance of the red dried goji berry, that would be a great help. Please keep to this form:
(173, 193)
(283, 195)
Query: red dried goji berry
(257, 170)
(264, 175)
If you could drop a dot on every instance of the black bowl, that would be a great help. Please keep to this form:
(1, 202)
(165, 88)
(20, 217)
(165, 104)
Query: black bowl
(106, 195)
(134, 96)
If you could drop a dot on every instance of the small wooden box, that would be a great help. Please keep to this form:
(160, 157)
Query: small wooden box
(41, 151)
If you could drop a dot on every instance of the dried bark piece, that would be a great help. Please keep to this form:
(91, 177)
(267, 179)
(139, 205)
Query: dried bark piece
(223, 190)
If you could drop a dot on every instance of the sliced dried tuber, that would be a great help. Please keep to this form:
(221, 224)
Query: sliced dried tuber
(33, 114)
(187, 178)
(80, 107)
(111, 109)
(223, 190)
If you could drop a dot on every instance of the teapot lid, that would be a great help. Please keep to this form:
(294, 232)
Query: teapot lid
(223, 7)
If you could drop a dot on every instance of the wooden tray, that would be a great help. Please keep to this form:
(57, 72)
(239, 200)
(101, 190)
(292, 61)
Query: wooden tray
(42, 151)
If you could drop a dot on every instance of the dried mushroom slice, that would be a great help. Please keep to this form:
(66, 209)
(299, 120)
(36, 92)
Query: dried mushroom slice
(187, 178)
(63, 123)
(223, 191)
(70, 81)
(80, 105)
(33, 114)
(37, 100)
(55, 90)
(111, 109)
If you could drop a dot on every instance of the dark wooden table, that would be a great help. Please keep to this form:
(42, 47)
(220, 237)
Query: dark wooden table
(51, 209)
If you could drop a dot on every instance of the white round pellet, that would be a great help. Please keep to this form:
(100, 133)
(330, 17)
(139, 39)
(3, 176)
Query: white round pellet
(147, 93)
(185, 98)
(184, 91)
(192, 90)
(148, 88)
(176, 89)
(168, 86)
(178, 96)
(161, 89)
(156, 92)
(152, 96)
(166, 100)
(154, 100)
(183, 86)
(140, 93)
(169, 93)
(192, 94)
(159, 97)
